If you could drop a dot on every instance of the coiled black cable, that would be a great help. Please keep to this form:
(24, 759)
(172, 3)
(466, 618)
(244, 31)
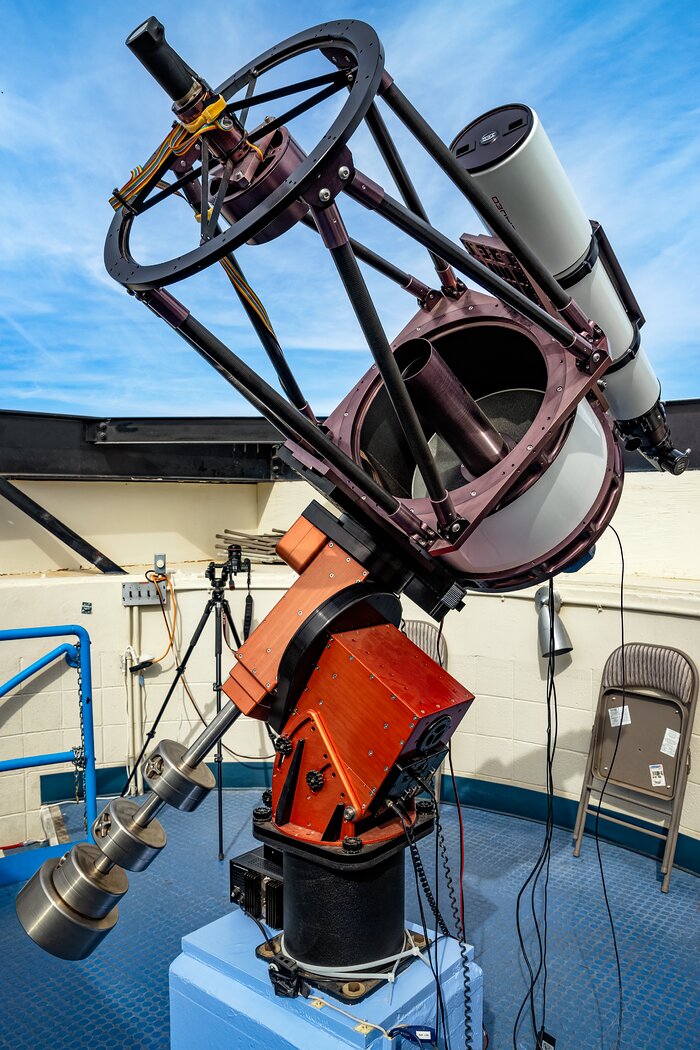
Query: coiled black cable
(464, 956)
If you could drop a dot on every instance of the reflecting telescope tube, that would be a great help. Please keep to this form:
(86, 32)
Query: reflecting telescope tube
(509, 153)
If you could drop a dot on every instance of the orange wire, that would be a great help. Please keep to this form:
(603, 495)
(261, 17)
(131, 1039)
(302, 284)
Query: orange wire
(157, 577)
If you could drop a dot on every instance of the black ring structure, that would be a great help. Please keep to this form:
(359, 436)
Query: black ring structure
(353, 37)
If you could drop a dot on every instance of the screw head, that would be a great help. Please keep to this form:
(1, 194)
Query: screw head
(324, 195)
(344, 172)
(595, 358)
(349, 813)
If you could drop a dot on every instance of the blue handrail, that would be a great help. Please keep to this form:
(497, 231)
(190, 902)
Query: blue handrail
(21, 866)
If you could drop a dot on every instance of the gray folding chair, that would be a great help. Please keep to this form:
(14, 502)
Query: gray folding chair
(428, 638)
(653, 756)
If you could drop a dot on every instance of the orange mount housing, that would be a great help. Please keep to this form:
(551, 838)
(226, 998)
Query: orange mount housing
(373, 699)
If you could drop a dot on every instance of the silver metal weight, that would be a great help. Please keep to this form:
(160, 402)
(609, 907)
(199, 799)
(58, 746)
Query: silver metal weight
(85, 888)
(174, 781)
(55, 926)
(125, 842)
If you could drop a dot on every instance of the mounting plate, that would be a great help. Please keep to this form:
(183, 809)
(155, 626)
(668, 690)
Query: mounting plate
(142, 592)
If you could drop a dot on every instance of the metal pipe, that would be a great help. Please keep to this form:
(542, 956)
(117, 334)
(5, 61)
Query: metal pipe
(66, 649)
(353, 281)
(148, 810)
(368, 193)
(288, 420)
(407, 281)
(212, 734)
(442, 156)
(31, 761)
(451, 410)
(394, 162)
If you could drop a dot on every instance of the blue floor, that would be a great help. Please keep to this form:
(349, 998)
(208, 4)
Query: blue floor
(119, 998)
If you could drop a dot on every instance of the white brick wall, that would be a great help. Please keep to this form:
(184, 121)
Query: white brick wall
(492, 643)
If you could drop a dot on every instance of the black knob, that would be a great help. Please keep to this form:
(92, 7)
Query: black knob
(352, 844)
(261, 814)
(315, 779)
(151, 48)
(267, 797)
(424, 805)
(283, 745)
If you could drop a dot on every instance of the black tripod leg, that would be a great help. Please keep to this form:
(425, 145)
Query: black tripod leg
(218, 631)
(229, 620)
(180, 671)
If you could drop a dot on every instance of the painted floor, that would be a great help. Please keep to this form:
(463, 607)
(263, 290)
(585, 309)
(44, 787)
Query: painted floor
(118, 999)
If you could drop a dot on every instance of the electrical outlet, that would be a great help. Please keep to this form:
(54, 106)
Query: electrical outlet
(143, 593)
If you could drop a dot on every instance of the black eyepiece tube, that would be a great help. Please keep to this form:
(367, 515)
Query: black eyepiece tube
(151, 48)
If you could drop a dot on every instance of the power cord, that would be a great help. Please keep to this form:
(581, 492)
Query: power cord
(605, 784)
(421, 880)
(542, 864)
(457, 908)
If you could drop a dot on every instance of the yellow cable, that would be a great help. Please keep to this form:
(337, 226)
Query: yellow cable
(255, 148)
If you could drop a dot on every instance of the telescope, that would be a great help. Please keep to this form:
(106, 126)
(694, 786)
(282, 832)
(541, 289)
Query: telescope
(481, 451)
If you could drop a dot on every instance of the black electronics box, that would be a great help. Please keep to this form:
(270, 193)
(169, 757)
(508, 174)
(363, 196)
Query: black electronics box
(256, 884)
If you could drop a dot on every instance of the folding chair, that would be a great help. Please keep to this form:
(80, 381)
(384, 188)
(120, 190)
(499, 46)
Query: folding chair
(653, 756)
(428, 638)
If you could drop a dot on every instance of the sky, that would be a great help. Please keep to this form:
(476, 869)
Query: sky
(616, 85)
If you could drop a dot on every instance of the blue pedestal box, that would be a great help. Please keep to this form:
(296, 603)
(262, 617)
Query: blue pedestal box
(221, 999)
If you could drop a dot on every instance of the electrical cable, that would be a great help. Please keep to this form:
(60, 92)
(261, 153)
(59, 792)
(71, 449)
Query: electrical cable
(457, 912)
(605, 784)
(421, 879)
(156, 578)
(542, 862)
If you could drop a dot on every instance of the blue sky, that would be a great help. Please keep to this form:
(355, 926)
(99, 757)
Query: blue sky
(617, 86)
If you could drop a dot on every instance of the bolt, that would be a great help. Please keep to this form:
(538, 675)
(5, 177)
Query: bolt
(473, 493)
(349, 813)
(595, 358)
(455, 528)
(324, 195)
(370, 753)
(386, 725)
(344, 172)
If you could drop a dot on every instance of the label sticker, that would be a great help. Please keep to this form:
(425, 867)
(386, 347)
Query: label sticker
(656, 772)
(616, 712)
(669, 744)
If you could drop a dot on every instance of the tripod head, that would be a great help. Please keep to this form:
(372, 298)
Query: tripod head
(228, 569)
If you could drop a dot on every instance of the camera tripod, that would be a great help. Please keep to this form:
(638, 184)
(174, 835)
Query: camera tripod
(218, 603)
